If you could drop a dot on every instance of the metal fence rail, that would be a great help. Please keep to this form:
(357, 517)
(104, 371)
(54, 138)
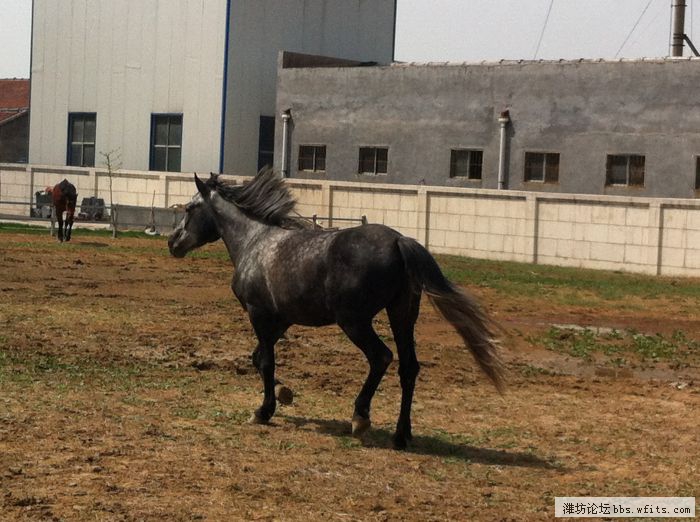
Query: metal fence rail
(51, 218)
(129, 217)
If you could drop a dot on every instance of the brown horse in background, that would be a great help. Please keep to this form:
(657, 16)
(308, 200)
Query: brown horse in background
(64, 197)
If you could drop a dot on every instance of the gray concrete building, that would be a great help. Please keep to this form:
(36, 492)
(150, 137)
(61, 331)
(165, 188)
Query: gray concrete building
(589, 126)
(179, 85)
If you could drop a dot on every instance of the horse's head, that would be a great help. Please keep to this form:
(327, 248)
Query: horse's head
(196, 228)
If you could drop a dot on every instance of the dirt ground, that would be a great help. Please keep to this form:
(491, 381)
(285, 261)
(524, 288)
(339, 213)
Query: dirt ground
(126, 383)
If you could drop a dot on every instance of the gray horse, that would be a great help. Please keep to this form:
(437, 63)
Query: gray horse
(287, 275)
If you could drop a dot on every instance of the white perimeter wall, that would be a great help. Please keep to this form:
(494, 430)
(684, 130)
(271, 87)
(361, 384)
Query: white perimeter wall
(126, 59)
(644, 235)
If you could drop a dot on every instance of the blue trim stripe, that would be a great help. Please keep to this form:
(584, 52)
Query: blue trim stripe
(224, 87)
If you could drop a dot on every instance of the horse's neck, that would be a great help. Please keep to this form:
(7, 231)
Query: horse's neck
(240, 233)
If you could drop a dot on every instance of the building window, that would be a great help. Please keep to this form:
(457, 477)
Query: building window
(81, 139)
(542, 167)
(266, 141)
(466, 163)
(697, 173)
(373, 160)
(166, 142)
(624, 169)
(312, 158)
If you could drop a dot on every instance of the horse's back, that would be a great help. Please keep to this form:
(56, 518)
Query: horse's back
(65, 191)
(370, 245)
(314, 277)
(285, 272)
(365, 269)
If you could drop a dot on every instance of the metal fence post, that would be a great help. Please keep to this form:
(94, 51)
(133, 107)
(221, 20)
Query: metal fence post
(53, 221)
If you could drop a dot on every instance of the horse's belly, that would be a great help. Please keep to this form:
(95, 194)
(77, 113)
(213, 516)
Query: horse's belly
(306, 313)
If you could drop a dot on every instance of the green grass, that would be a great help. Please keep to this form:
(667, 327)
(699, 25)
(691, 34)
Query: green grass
(158, 246)
(23, 367)
(77, 231)
(347, 442)
(529, 370)
(585, 344)
(523, 279)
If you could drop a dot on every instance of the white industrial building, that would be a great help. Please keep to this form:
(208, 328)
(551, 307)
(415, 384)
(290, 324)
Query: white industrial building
(180, 85)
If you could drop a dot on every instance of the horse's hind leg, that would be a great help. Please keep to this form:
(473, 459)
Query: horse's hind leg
(379, 357)
(403, 314)
(68, 228)
(59, 232)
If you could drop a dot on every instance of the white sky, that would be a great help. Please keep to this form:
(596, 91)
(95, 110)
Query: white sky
(470, 30)
(15, 37)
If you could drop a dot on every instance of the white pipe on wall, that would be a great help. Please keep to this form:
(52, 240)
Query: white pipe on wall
(503, 119)
(286, 116)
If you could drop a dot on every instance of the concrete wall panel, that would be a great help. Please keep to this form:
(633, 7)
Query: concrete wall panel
(652, 236)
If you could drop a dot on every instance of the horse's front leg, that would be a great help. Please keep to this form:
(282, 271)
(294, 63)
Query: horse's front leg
(268, 331)
(283, 394)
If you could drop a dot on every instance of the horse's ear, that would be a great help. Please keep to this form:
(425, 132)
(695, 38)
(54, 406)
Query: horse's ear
(202, 187)
(213, 176)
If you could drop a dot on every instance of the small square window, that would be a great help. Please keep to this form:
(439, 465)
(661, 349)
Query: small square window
(81, 139)
(624, 170)
(542, 167)
(312, 158)
(166, 142)
(373, 160)
(266, 141)
(466, 163)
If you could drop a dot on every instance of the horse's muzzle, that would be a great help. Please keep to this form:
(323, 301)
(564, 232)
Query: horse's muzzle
(175, 245)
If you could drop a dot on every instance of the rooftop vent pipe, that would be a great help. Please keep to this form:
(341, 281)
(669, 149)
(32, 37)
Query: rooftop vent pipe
(678, 7)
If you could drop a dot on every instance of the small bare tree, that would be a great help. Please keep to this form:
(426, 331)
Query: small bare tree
(112, 162)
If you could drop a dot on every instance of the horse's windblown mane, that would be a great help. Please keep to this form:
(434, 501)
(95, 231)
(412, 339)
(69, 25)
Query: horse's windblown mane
(265, 197)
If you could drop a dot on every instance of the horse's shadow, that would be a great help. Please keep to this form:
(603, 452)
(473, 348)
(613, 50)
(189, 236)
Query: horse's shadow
(428, 445)
(91, 244)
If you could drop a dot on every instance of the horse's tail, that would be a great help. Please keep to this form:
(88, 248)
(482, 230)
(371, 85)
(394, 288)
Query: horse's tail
(456, 306)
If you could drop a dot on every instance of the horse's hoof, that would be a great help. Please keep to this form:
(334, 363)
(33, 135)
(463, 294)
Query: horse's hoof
(360, 425)
(283, 394)
(257, 419)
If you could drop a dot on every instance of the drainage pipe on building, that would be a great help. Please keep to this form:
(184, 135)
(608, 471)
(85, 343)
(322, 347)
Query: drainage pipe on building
(286, 116)
(503, 119)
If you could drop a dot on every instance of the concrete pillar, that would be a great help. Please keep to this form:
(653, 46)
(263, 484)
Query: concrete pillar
(422, 216)
(327, 202)
(532, 217)
(655, 225)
